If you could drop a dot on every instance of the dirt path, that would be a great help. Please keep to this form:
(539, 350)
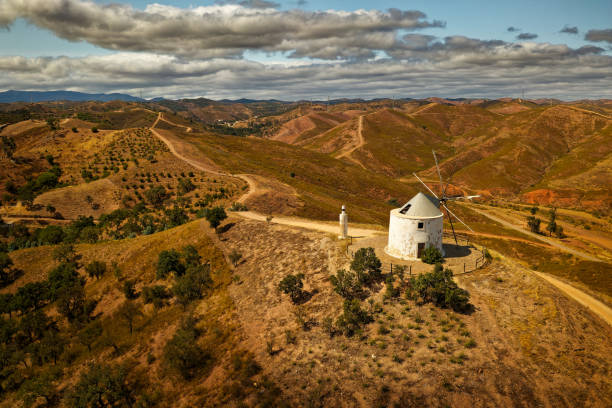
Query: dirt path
(329, 228)
(592, 304)
(360, 139)
(551, 242)
(579, 296)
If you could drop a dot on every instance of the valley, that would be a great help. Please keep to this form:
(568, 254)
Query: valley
(137, 186)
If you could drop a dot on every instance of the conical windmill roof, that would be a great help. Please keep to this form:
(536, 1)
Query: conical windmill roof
(421, 205)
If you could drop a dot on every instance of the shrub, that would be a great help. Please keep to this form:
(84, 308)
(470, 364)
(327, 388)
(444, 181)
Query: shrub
(367, 265)
(235, 257)
(432, 255)
(94, 129)
(238, 207)
(156, 196)
(345, 283)
(292, 285)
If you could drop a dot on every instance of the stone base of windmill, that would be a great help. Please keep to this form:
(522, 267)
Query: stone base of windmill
(457, 257)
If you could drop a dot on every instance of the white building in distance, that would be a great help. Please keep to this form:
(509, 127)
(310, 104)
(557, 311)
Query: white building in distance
(414, 227)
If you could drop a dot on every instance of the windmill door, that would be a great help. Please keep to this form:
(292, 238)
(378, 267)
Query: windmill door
(420, 248)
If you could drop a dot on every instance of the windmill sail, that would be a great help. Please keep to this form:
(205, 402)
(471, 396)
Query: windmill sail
(444, 198)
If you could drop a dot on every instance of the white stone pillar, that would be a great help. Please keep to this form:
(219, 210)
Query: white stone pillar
(343, 224)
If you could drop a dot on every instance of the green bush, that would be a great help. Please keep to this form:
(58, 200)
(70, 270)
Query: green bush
(367, 266)
(292, 285)
(345, 283)
(169, 261)
(438, 287)
(353, 317)
(193, 284)
(432, 255)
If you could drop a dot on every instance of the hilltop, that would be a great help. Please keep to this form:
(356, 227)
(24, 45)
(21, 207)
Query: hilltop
(119, 267)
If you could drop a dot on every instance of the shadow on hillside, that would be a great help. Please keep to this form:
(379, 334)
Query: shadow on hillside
(457, 251)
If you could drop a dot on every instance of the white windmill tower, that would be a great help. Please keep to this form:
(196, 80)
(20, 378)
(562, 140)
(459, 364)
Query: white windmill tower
(418, 224)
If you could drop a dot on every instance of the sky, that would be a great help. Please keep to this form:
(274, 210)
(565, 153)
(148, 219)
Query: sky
(290, 50)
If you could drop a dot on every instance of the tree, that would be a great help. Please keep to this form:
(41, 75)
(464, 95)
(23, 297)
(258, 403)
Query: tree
(185, 185)
(129, 289)
(90, 333)
(8, 274)
(156, 196)
(157, 295)
(176, 216)
(292, 285)
(191, 256)
(40, 386)
(31, 296)
(129, 312)
(52, 346)
(64, 253)
(534, 224)
(192, 284)
(559, 232)
(353, 317)
(432, 255)
(8, 146)
(367, 265)
(533, 210)
(552, 222)
(96, 269)
(346, 283)
(182, 353)
(169, 261)
(102, 386)
(215, 216)
(51, 234)
(90, 234)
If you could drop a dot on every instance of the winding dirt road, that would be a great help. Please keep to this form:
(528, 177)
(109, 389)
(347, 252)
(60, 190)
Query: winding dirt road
(360, 140)
(597, 307)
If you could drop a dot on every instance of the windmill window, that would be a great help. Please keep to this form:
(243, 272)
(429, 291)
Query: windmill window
(405, 209)
(420, 225)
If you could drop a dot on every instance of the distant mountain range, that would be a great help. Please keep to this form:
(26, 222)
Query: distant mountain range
(47, 96)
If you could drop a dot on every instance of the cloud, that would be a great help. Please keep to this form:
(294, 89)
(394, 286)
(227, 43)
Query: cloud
(569, 30)
(526, 36)
(453, 67)
(512, 29)
(599, 35)
(219, 30)
(259, 4)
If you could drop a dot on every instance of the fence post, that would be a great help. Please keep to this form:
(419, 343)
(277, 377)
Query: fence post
(410, 270)
(391, 269)
(464, 267)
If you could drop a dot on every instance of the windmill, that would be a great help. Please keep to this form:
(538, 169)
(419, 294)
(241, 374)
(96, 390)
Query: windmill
(445, 198)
